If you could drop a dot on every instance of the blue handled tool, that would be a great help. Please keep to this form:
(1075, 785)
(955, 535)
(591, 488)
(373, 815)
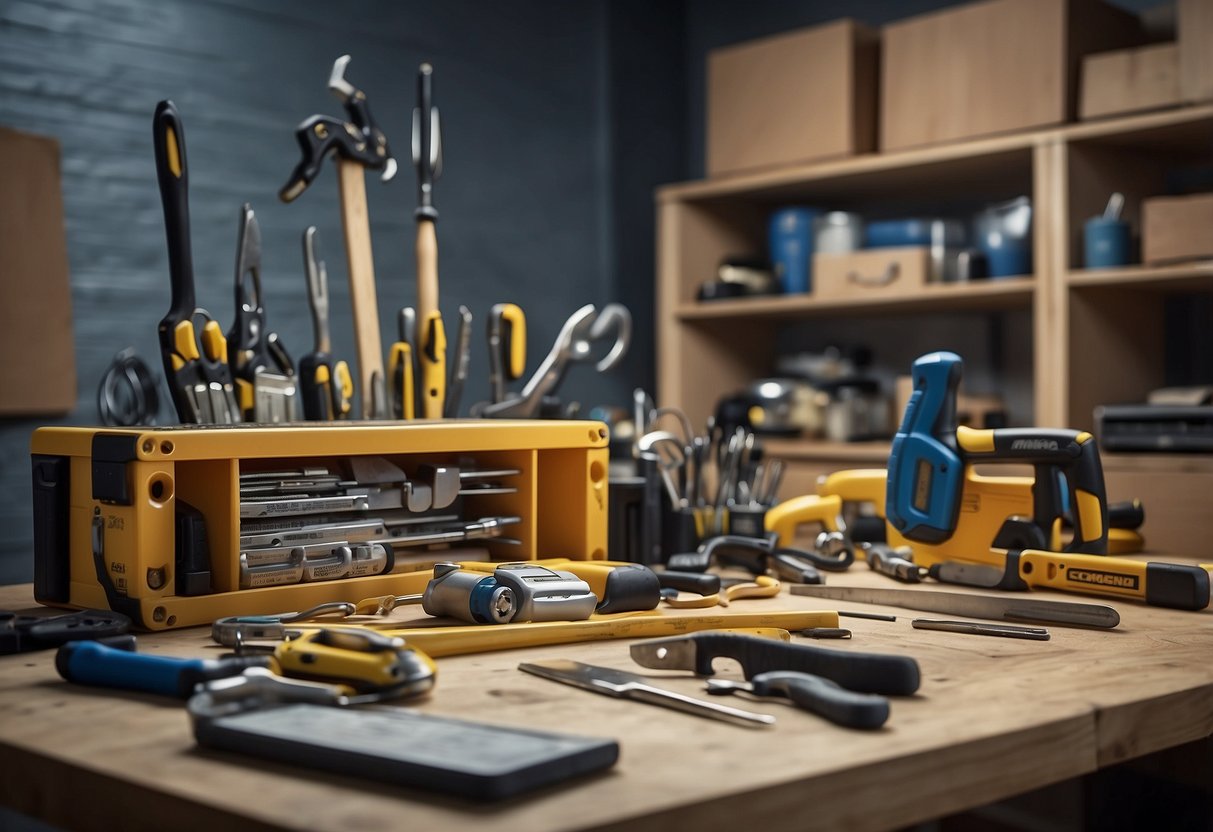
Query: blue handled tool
(104, 665)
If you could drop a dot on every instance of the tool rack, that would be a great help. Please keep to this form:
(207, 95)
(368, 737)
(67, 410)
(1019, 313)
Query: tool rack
(105, 506)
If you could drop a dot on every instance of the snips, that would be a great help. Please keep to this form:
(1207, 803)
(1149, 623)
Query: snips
(577, 342)
(195, 358)
(264, 373)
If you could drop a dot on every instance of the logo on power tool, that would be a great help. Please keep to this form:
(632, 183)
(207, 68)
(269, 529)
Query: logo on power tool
(1094, 576)
(1034, 445)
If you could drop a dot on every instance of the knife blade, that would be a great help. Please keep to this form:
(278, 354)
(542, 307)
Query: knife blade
(990, 607)
(864, 672)
(624, 685)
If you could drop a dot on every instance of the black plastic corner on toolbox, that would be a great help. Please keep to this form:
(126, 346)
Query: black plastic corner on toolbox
(52, 553)
(111, 453)
(1178, 586)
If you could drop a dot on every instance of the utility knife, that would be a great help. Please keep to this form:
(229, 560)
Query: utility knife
(865, 672)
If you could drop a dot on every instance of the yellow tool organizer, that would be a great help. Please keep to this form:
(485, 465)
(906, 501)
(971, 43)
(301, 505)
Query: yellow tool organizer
(105, 505)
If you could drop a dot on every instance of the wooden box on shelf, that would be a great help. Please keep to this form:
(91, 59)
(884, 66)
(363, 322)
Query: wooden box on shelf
(792, 98)
(1128, 80)
(1194, 19)
(1176, 228)
(991, 67)
(883, 272)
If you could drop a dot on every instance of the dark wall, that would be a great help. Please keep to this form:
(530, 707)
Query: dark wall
(533, 207)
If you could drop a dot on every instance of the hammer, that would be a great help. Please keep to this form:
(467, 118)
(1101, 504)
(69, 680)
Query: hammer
(357, 144)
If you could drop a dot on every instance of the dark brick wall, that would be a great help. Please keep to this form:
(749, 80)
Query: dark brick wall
(532, 207)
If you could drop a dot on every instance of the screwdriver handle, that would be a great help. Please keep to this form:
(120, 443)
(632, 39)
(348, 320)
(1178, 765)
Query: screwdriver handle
(825, 698)
(101, 665)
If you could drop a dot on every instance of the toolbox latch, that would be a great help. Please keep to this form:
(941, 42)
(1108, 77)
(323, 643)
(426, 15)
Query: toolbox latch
(111, 453)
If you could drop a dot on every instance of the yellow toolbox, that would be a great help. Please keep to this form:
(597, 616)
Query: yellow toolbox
(181, 526)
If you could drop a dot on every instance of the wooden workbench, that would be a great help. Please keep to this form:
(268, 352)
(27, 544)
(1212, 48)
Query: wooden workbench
(994, 717)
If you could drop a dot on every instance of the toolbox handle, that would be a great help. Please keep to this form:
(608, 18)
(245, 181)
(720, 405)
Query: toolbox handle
(891, 273)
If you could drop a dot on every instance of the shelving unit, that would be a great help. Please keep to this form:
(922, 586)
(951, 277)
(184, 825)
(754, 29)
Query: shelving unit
(1054, 344)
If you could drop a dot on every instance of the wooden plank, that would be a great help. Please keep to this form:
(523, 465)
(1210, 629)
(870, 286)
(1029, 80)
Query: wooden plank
(38, 375)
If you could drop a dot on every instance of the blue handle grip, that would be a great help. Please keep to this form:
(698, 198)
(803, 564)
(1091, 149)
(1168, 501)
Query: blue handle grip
(92, 663)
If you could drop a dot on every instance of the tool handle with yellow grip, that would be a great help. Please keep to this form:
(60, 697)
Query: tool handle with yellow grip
(1175, 585)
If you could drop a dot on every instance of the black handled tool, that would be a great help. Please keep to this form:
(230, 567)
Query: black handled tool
(23, 633)
(264, 372)
(200, 380)
(813, 693)
(325, 385)
(864, 672)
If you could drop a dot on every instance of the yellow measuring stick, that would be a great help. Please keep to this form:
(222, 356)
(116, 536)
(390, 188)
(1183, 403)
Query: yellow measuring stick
(483, 638)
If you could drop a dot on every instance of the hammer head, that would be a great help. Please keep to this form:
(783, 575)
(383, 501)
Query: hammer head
(359, 139)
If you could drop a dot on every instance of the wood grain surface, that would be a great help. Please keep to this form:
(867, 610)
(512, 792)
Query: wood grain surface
(994, 717)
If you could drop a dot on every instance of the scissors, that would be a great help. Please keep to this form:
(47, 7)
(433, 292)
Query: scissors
(576, 343)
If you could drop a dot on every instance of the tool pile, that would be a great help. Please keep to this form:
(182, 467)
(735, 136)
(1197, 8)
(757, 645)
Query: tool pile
(248, 375)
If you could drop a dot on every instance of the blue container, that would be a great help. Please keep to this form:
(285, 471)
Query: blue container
(896, 233)
(1106, 243)
(791, 248)
(1004, 235)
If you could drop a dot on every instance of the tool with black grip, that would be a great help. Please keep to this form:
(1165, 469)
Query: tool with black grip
(357, 144)
(864, 672)
(402, 367)
(813, 693)
(264, 372)
(200, 380)
(325, 385)
(23, 633)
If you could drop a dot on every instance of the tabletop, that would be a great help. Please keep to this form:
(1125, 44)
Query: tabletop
(993, 717)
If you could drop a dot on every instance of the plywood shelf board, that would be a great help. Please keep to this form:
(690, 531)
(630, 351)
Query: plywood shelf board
(986, 295)
(1180, 277)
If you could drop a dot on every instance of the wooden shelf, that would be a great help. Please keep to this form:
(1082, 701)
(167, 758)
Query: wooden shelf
(978, 294)
(1172, 278)
(876, 452)
(1185, 127)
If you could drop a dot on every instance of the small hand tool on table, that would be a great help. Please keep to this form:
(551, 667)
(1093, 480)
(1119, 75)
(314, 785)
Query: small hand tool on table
(264, 372)
(24, 633)
(991, 607)
(367, 666)
(325, 385)
(200, 380)
(358, 144)
(974, 628)
(514, 592)
(625, 685)
(886, 674)
(893, 563)
(813, 693)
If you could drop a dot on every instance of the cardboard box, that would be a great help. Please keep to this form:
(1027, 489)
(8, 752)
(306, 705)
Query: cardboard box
(878, 272)
(1130, 80)
(1194, 22)
(991, 67)
(792, 98)
(1177, 228)
(38, 374)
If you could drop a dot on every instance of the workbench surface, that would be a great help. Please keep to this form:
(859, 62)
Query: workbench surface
(994, 717)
